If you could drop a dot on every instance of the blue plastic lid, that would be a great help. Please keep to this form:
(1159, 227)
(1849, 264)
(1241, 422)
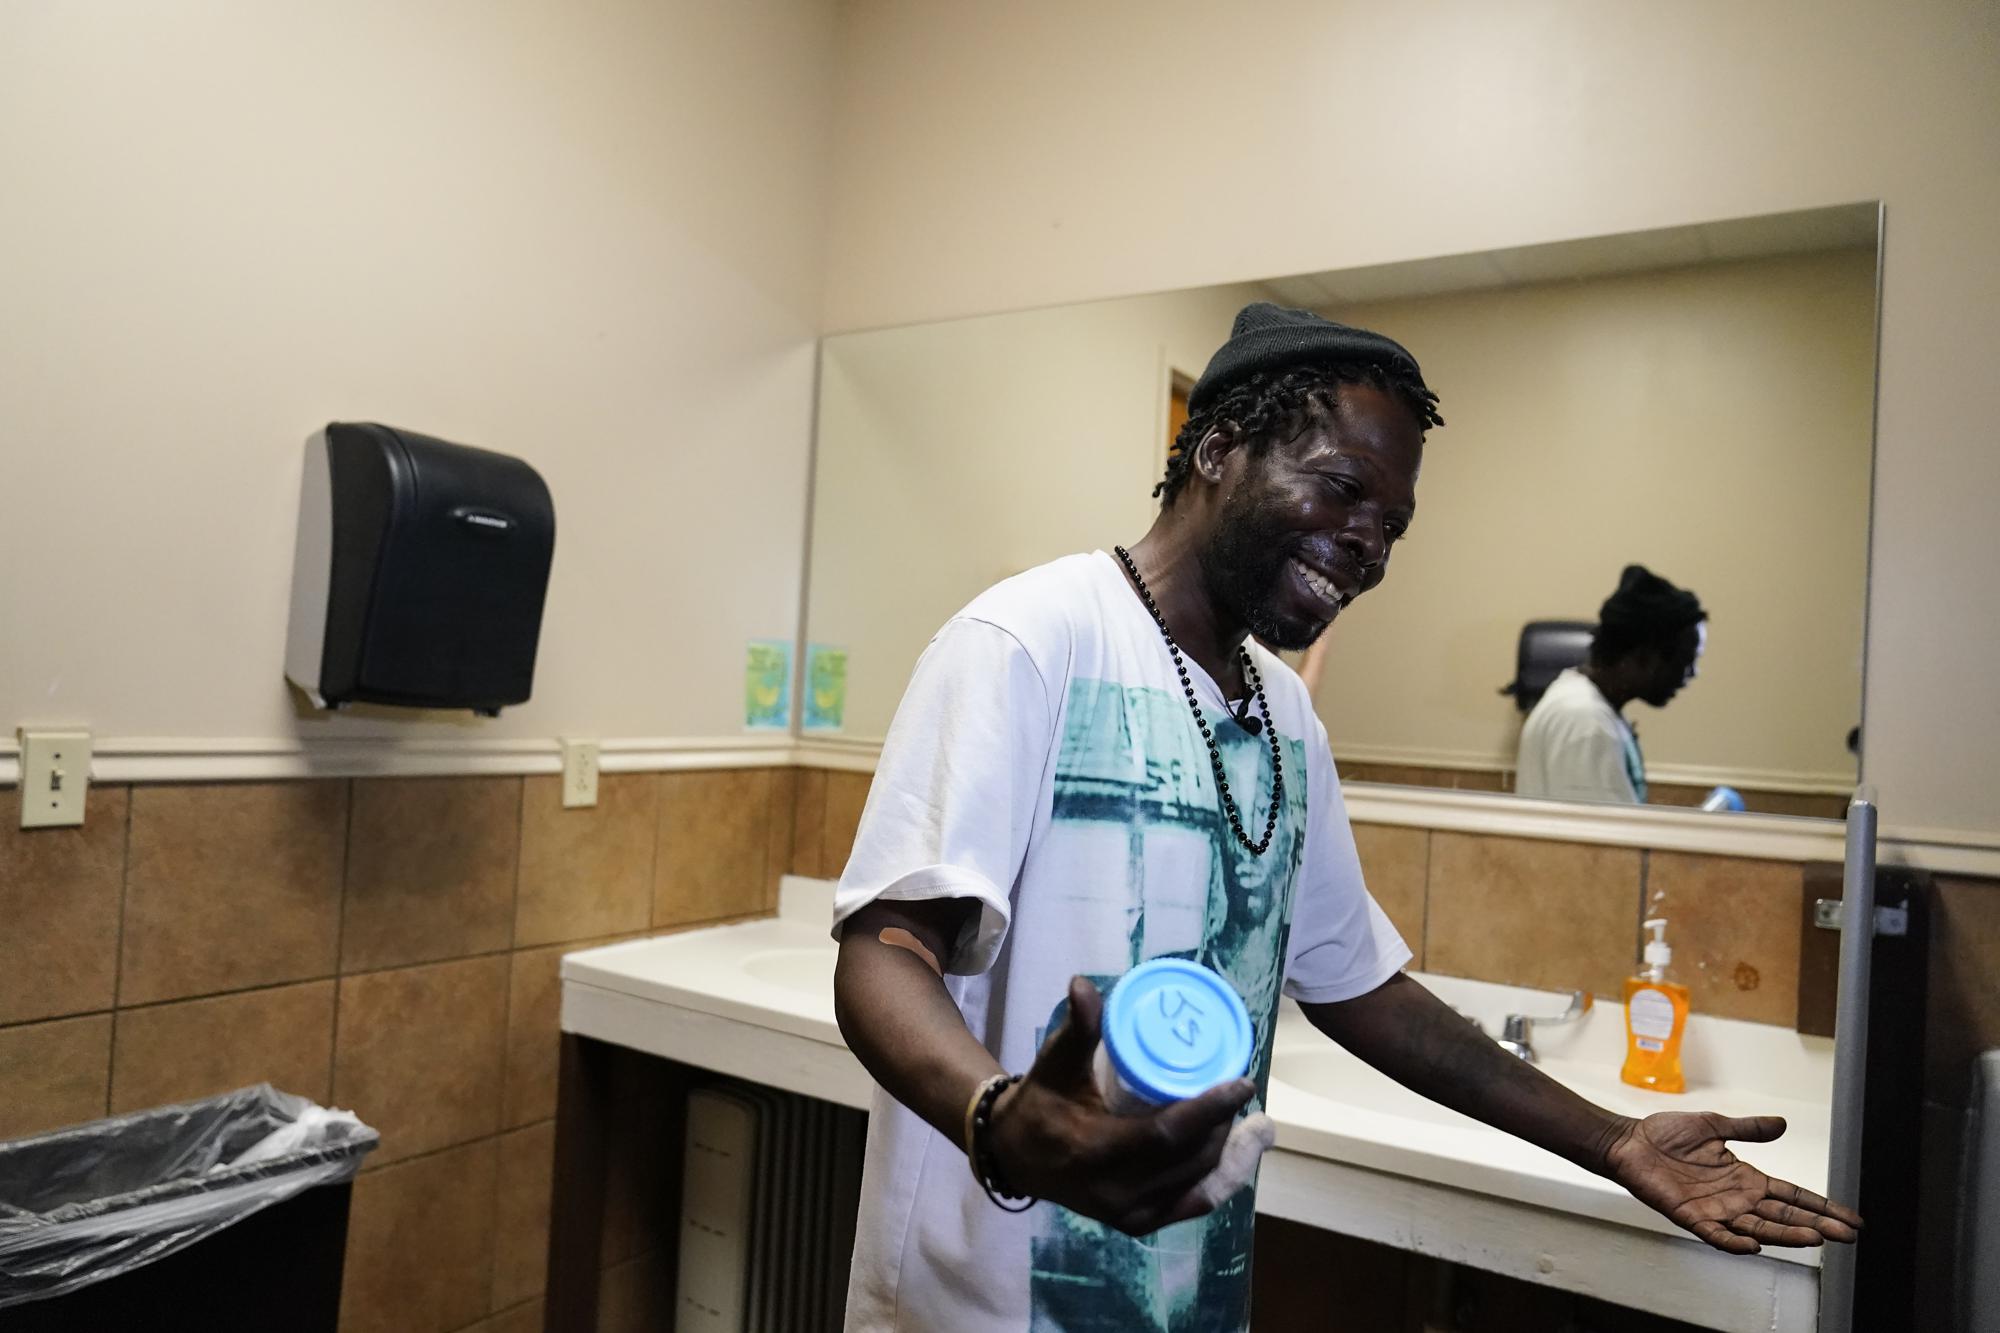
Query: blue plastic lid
(1723, 798)
(1175, 1029)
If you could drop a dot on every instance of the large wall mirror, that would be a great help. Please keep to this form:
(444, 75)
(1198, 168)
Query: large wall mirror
(1699, 400)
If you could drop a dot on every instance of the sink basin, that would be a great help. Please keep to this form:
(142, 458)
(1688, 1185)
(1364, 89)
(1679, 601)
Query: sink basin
(1327, 1071)
(1332, 1073)
(808, 970)
(1601, 1084)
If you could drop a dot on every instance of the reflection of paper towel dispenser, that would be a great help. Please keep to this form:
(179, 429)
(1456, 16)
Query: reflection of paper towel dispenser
(420, 572)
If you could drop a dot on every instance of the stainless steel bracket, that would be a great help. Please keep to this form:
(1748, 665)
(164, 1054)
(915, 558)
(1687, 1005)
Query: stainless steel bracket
(1827, 915)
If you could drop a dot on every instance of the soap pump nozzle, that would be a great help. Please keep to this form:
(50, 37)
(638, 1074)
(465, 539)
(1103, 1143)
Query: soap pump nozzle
(1658, 953)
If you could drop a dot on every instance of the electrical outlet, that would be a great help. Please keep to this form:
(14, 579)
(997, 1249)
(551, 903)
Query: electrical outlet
(579, 773)
(55, 775)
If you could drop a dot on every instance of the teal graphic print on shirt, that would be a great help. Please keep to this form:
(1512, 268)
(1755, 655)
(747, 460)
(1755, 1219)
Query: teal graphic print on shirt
(1160, 873)
(1635, 763)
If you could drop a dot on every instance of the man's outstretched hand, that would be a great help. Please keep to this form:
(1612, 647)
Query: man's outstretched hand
(1679, 1163)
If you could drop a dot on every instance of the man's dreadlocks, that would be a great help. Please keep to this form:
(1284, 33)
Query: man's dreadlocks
(1267, 407)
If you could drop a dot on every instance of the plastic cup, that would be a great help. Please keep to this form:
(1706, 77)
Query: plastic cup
(1172, 1029)
(1726, 799)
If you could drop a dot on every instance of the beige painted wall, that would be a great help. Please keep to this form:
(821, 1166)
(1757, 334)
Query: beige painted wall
(1712, 423)
(587, 234)
(953, 456)
(1135, 146)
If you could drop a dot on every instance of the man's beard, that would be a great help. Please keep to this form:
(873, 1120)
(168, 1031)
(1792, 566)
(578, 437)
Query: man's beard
(1243, 571)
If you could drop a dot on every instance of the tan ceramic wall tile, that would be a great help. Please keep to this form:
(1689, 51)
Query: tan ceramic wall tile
(193, 1048)
(1734, 927)
(846, 795)
(1805, 805)
(809, 823)
(1802, 804)
(1414, 775)
(232, 886)
(534, 1034)
(778, 843)
(430, 869)
(521, 1213)
(586, 871)
(53, 1074)
(59, 892)
(534, 1030)
(420, 1244)
(1677, 794)
(418, 1051)
(713, 845)
(1963, 1015)
(1554, 915)
(1395, 862)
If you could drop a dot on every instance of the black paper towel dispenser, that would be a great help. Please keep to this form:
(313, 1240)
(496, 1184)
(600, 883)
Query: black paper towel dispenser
(420, 572)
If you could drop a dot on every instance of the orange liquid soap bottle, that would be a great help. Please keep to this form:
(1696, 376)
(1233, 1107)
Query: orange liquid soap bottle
(1656, 1012)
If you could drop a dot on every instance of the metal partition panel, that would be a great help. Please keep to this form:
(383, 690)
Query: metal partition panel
(1850, 1056)
(1979, 1283)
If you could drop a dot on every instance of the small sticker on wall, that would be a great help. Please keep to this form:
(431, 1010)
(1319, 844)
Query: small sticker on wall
(826, 687)
(767, 685)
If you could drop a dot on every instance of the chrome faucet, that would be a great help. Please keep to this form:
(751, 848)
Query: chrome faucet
(1518, 1030)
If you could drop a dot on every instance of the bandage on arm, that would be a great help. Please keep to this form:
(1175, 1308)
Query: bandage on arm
(897, 1017)
(898, 938)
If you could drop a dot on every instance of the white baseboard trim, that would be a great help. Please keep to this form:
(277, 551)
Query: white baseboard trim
(1753, 779)
(1418, 757)
(846, 754)
(1691, 775)
(668, 754)
(158, 759)
(1664, 828)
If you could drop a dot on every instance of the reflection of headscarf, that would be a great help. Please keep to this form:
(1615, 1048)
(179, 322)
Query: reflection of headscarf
(1647, 608)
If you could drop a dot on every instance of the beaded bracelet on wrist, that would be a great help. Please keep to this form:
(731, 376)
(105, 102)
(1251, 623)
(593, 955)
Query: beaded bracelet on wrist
(980, 1155)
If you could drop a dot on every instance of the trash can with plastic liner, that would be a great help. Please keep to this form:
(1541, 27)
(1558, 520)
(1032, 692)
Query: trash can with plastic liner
(224, 1213)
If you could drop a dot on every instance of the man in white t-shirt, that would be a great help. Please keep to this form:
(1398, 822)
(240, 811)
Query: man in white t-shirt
(1576, 745)
(1094, 766)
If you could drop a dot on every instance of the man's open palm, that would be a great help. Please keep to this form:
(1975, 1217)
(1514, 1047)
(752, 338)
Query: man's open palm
(1679, 1163)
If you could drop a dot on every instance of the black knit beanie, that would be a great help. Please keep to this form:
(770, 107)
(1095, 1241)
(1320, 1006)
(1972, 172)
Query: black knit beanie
(1270, 337)
(1648, 606)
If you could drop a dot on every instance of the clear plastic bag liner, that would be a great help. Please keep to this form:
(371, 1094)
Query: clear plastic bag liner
(87, 1203)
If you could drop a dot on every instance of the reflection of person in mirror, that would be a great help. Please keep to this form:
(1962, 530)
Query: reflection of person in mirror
(1577, 744)
(1094, 766)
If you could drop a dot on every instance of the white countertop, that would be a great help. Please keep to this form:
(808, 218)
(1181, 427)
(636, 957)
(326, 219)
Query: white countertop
(756, 1000)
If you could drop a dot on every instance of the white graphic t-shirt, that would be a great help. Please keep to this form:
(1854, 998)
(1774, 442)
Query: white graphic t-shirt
(1576, 747)
(1044, 762)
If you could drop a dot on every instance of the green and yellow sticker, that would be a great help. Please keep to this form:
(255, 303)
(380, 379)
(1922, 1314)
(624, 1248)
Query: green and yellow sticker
(826, 687)
(767, 685)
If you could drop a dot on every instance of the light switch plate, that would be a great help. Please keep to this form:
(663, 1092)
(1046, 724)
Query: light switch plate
(55, 775)
(579, 773)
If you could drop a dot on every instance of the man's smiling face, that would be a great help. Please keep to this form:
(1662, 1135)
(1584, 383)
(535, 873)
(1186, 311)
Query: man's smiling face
(1306, 525)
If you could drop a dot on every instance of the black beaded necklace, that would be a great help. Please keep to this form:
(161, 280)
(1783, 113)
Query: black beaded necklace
(1215, 751)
